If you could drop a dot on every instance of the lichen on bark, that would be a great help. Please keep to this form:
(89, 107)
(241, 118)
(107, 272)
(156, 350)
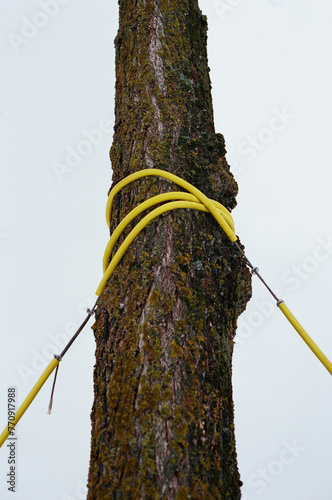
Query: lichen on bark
(162, 418)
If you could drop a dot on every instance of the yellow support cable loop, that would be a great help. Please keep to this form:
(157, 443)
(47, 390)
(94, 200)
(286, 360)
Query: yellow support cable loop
(160, 198)
(180, 182)
(195, 199)
(135, 232)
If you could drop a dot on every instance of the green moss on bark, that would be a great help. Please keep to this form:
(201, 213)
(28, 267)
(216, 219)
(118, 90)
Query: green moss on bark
(162, 419)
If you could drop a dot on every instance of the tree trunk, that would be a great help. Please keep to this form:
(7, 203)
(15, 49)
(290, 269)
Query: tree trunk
(162, 418)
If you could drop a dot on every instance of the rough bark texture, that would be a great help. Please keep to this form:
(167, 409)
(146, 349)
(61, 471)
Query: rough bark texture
(162, 418)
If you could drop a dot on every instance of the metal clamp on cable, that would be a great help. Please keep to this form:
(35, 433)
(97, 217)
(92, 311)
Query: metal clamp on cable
(254, 270)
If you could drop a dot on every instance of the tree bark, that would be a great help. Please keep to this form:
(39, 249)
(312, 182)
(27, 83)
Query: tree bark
(162, 418)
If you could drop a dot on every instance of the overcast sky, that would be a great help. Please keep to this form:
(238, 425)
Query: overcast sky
(271, 78)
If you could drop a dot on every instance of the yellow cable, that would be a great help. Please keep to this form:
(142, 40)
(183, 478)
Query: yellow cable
(177, 195)
(137, 229)
(180, 182)
(305, 336)
(28, 400)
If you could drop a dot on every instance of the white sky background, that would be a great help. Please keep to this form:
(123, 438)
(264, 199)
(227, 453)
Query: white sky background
(267, 58)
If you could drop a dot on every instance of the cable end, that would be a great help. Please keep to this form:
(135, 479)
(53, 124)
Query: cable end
(49, 410)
